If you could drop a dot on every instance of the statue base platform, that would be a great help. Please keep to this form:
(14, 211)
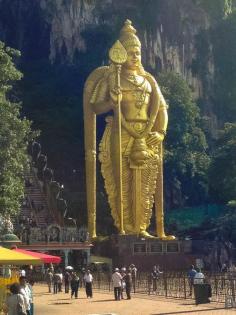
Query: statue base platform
(145, 253)
(125, 250)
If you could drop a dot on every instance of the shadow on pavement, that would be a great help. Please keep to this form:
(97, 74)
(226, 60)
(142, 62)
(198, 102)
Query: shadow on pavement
(195, 311)
(41, 294)
(110, 300)
(59, 303)
(68, 299)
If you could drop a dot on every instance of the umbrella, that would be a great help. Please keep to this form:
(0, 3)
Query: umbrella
(69, 268)
(47, 259)
(10, 257)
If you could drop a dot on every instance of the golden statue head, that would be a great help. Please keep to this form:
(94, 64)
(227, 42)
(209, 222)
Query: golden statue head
(128, 37)
(132, 45)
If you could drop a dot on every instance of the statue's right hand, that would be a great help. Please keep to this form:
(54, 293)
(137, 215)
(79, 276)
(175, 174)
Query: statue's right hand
(116, 96)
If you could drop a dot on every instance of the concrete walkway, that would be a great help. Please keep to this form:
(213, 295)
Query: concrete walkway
(104, 304)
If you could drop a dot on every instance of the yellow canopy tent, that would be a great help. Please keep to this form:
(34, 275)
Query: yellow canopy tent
(10, 257)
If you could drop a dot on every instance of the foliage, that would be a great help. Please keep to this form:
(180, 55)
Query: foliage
(222, 171)
(186, 158)
(15, 134)
(223, 226)
(8, 72)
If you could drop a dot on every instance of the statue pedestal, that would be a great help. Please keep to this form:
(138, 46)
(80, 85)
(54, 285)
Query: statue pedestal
(145, 253)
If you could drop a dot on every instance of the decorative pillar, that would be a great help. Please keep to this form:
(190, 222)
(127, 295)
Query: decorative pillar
(87, 251)
(66, 253)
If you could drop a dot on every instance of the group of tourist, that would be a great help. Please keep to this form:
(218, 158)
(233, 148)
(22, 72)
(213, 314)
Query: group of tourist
(122, 281)
(71, 281)
(20, 300)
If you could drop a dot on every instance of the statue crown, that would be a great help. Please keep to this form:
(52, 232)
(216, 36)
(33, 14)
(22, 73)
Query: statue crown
(127, 35)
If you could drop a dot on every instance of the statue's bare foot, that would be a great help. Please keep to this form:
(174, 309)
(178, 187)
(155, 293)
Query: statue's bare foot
(145, 234)
(167, 237)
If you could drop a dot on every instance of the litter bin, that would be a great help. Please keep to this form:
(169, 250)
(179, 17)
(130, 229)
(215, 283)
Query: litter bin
(202, 292)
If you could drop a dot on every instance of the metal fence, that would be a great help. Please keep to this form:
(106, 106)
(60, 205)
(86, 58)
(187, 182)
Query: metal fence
(174, 285)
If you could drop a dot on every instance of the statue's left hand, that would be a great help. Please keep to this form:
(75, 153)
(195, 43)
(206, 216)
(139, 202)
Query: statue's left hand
(154, 138)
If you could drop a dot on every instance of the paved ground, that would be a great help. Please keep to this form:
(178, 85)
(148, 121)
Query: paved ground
(103, 304)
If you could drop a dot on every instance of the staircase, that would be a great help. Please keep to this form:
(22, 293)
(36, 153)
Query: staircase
(34, 210)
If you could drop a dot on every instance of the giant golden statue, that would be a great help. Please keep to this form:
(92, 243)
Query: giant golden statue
(130, 151)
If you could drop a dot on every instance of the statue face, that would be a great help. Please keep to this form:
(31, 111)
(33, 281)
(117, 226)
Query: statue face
(133, 61)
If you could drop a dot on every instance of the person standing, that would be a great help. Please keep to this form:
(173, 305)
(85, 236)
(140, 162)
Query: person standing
(30, 285)
(123, 285)
(15, 301)
(191, 274)
(88, 280)
(155, 276)
(74, 283)
(128, 283)
(67, 279)
(25, 292)
(56, 280)
(60, 280)
(117, 279)
(134, 275)
(49, 279)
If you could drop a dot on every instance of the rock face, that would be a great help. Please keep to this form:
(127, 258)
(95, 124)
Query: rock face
(61, 30)
(168, 34)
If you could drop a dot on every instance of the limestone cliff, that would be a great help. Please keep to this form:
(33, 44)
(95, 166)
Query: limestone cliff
(61, 29)
(167, 29)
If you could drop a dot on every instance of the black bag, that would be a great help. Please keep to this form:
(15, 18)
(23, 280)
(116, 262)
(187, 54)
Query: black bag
(19, 307)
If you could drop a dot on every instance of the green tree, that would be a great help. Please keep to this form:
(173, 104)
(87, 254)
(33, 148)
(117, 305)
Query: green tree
(186, 158)
(15, 134)
(222, 171)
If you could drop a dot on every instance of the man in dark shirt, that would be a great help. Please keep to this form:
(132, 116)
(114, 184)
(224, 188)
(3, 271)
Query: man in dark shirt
(128, 283)
(155, 276)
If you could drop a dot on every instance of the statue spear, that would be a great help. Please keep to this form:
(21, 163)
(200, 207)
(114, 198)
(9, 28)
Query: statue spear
(118, 56)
